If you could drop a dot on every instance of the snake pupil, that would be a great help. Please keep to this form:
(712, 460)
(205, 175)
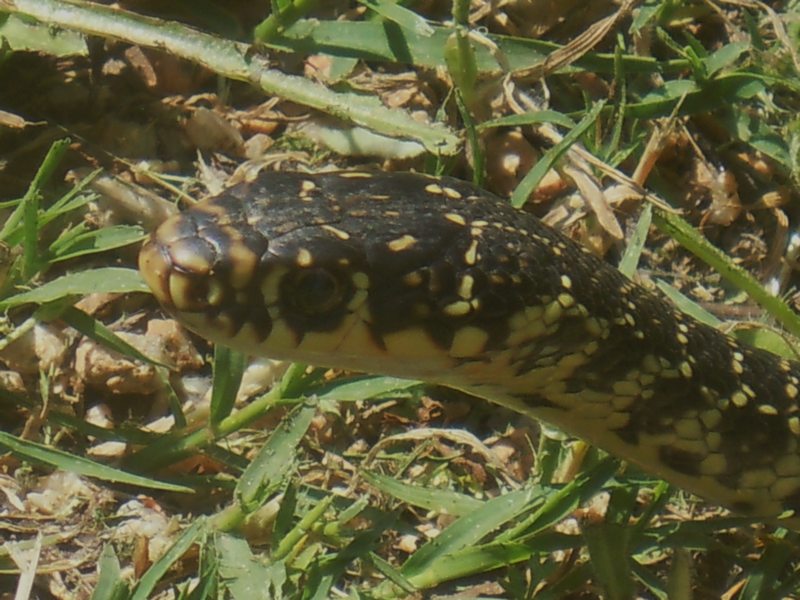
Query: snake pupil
(316, 291)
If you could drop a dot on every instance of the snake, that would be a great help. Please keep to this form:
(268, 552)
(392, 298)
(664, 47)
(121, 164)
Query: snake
(434, 279)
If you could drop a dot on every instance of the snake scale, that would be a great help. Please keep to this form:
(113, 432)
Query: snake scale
(431, 278)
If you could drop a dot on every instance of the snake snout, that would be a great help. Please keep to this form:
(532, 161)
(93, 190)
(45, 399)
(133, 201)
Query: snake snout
(178, 268)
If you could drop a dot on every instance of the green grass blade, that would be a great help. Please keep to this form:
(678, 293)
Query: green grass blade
(110, 584)
(228, 366)
(534, 176)
(95, 330)
(27, 450)
(82, 283)
(692, 240)
(275, 460)
(445, 501)
(633, 251)
(146, 586)
(94, 242)
(468, 531)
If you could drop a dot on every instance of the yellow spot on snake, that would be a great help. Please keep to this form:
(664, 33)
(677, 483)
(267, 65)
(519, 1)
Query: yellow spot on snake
(794, 425)
(342, 235)
(402, 243)
(455, 218)
(682, 338)
(465, 289)
(566, 281)
(307, 185)
(355, 175)
(358, 299)
(457, 309)
(552, 313)
(471, 255)
(767, 409)
(791, 391)
(739, 399)
(451, 193)
(686, 369)
(434, 188)
(565, 300)
(360, 280)
(304, 258)
(594, 327)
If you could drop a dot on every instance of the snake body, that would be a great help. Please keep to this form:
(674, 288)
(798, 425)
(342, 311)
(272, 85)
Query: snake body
(431, 278)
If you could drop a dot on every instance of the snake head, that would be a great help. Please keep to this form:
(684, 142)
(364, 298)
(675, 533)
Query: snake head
(401, 274)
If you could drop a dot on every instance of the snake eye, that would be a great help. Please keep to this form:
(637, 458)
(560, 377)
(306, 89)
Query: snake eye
(316, 291)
